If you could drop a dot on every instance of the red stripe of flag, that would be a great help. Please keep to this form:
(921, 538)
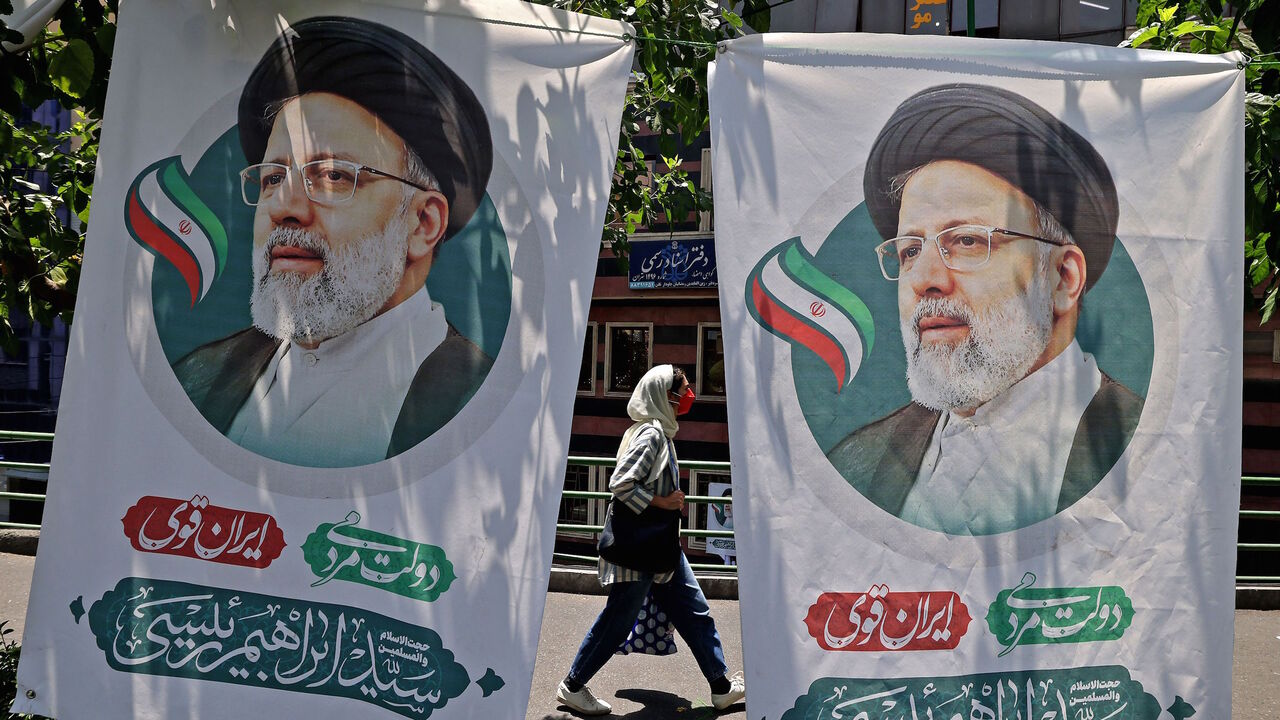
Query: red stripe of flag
(784, 321)
(158, 239)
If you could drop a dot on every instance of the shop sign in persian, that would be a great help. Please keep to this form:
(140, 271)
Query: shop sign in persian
(326, 306)
(982, 340)
(928, 17)
(674, 263)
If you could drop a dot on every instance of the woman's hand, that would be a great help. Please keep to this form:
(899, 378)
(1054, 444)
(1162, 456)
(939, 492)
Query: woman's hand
(674, 501)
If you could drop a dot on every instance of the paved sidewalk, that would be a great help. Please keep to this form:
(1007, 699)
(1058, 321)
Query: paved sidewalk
(15, 585)
(639, 687)
(671, 688)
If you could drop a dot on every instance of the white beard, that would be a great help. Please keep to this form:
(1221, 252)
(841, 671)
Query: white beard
(355, 282)
(1002, 346)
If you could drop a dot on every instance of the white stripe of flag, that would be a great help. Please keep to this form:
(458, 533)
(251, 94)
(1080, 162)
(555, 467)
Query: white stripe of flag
(802, 301)
(172, 218)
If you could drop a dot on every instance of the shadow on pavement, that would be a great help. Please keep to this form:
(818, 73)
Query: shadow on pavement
(660, 705)
(657, 705)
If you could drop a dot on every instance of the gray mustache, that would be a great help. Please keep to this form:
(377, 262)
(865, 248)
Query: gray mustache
(940, 307)
(299, 238)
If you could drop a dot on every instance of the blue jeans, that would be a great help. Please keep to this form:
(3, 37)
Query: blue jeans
(683, 602)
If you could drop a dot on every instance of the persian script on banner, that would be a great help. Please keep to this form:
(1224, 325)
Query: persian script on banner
(337, 262)
(982, 323)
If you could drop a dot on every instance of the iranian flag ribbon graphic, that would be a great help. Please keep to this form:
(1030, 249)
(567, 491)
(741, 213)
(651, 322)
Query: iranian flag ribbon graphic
(794, 300)
(167, 218)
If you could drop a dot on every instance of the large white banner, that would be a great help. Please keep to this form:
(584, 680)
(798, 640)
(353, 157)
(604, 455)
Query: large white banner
(317, 409)
(982, 320)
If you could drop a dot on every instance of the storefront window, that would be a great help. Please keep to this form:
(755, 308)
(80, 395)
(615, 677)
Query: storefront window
(629, 353)
(587, 375)
(710, 360)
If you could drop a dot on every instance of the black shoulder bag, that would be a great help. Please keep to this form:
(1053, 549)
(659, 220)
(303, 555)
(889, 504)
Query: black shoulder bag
(648, 541)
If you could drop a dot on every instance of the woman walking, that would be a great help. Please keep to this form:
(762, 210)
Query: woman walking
(647, 475)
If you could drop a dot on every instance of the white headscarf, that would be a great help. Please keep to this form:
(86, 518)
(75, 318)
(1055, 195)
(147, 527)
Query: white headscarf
(649, 406)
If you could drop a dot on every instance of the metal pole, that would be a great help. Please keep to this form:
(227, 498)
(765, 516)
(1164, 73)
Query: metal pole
(972, 24)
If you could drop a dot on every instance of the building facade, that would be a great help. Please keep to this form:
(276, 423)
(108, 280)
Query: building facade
(633, 325)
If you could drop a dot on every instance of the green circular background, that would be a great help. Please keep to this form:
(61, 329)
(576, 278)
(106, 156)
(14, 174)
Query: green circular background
(471, 277)
(1115, 326)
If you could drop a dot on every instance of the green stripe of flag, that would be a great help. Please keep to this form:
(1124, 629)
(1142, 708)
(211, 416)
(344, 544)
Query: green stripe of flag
(800, 264)
(797, 314)
(175, 183)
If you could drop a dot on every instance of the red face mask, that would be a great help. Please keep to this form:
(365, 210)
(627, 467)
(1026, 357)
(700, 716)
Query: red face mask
(686, 401)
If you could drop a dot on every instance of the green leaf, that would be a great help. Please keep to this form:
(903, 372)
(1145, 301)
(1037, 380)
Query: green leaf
(1262, 100)
(667, 145)
(27, 185)
(757, 15)
(1147, 10)
(106, 38)
(1258, 272)
(1264, 25)
(71, 69)
(733, 18)
(1268, 305)
(1257, 107)
(1247, 44)
(1166, 13)
(1191, 26)
(1139, 38)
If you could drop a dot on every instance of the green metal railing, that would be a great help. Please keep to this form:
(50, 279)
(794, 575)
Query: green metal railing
(1262, 515)
(581, 460)
(34, 467)
(588, 461)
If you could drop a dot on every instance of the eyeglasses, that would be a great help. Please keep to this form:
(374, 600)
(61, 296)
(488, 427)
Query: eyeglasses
(964, 247)
(327, 181)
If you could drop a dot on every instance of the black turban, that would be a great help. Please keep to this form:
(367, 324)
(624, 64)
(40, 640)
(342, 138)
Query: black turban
(1009, 136)
(392, 76)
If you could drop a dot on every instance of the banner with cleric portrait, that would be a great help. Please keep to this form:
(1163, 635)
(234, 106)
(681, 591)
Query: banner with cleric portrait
(982, 321)
(314, 426)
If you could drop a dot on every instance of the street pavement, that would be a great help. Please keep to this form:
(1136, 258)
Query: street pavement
(672, 688)
(15, 585)
(639, 687)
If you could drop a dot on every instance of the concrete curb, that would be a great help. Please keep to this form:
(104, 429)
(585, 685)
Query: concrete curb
(1257, 597)
(582, 581)
(19, 542)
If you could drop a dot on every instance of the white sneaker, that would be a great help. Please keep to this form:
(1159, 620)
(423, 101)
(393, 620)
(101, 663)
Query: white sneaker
(583, 701)
(737, 691)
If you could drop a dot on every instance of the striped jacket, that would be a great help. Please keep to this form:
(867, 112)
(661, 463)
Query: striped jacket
(635, 483)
